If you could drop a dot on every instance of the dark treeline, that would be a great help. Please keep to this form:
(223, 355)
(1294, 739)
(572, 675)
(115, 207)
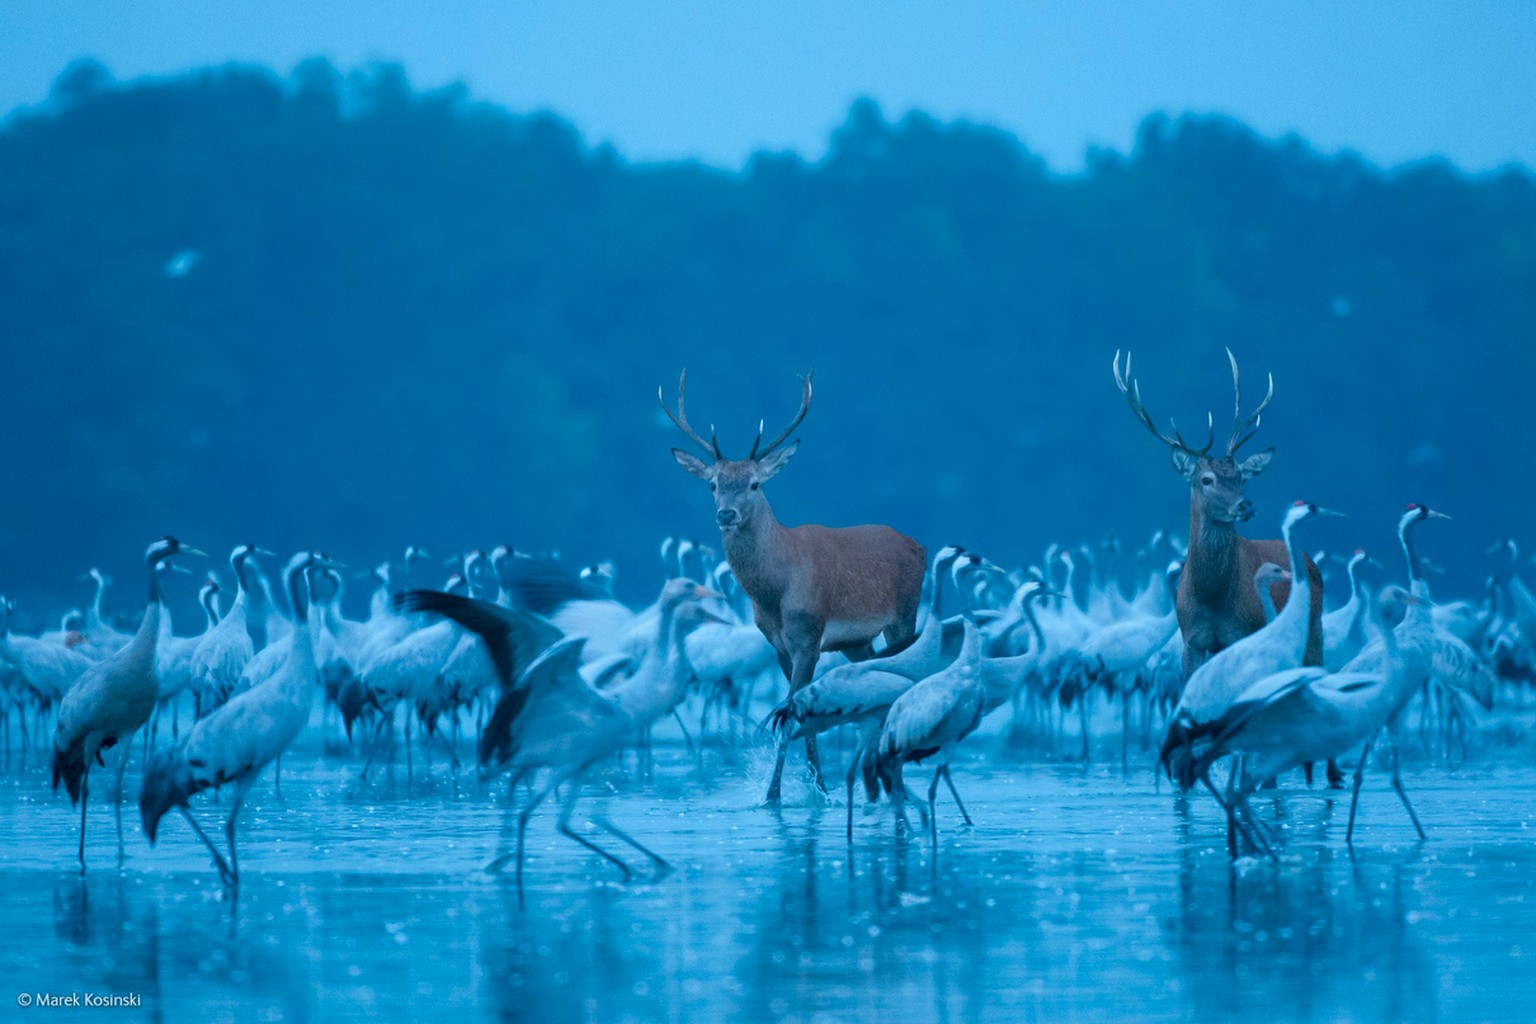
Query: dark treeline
(404, 316)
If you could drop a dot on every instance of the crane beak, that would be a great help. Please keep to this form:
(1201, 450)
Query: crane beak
(192, 551)
(179, 568)
(1432, 514)
(704, 593)
(264, 552)
(1331, 513)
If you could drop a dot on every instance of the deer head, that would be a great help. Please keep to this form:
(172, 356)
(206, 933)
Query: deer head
(736, 483)
(1216, 480)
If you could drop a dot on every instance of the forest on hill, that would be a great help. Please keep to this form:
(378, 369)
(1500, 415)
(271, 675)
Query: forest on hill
(327, 309)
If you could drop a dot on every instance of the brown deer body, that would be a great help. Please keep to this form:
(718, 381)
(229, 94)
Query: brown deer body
(1215, 607)
(1217, 603)
(813, 588)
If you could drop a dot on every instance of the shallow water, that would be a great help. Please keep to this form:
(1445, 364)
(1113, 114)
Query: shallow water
(1082, 893)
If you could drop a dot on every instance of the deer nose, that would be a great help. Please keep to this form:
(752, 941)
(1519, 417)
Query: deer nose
(727, 517)
(1244, 509)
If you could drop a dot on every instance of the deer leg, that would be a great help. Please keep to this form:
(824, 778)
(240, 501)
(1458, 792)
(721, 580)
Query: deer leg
(807, 648)
(778, 772)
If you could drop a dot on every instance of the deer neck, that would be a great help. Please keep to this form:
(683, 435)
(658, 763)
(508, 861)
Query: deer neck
(1212, 561)
(756, 552)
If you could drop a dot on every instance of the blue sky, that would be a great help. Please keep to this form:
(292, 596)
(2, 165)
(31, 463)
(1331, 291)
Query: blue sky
(716, 80)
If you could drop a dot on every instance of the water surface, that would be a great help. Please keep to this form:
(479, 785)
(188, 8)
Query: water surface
(1081, 893)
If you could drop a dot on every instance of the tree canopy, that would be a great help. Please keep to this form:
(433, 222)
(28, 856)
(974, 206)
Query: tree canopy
(331, 310)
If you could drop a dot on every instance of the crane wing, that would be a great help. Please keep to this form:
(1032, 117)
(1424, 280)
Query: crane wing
(542, 585)
(513, 636)
(1453, 663)
(1265, 693)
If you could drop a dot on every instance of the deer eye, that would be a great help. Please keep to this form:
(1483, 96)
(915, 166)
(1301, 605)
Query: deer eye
(711, 485)
(754, 485)
(1207, 480)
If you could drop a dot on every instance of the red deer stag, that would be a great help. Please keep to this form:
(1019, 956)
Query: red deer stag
(1217, 602)
(813, 588)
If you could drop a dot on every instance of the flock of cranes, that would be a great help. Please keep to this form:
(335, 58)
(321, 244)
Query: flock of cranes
(1247, 676)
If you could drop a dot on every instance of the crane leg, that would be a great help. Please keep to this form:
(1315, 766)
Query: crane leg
(1257, 829)
(501, 860)
(218, 858)
(860, 749)
(1125, 728)
(687, 738)
(949, 780)
(567, 806)
(1402, 794)
(663, 869)
(1354, 799)
(1082, 713)
(85, 799)
(853, 773)
(117, 797)
(373, 750)
(1227, 807)
(933, 814)
(229, 836)
(1231, 809)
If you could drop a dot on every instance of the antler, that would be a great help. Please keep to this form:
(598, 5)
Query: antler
(1243, 431)
(805, 407)
(1132, 392)
(711, 446)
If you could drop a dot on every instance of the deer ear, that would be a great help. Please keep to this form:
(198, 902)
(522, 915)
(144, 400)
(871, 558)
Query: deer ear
(1254, 464)
(693, 464)
(1185, 463)
(770, 464)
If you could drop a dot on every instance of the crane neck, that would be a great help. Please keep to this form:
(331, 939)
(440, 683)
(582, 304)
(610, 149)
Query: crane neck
(1034, 625)
(1356, 585)
(1405, 536)
(1298, 606)
(143, 642)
